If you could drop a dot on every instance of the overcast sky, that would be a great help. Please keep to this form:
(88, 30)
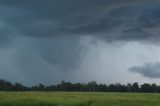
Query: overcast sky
(108, 41)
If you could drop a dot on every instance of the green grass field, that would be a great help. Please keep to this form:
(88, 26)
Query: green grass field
(78, 99)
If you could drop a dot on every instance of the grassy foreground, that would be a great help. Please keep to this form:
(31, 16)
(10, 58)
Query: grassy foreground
(77, 99)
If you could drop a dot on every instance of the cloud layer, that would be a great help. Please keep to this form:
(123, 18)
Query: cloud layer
(51, 39)
(109, 20)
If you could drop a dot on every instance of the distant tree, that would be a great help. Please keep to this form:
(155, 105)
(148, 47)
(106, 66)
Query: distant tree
(41, 87)
(92, 86)
(81, 87)
(129, 87)
(135, 87)
(6, 85)
(19, 87)
(78, 87)
(145, 87)
(112, 88)
(124, 88)
(103, 88)
(154, 88)
(51, 88)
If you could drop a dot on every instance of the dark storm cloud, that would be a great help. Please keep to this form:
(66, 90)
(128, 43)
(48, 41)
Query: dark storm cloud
(133, 22)
(63, 53)
(47, 33)
(66, 55)
(107, 19)
(149, 70)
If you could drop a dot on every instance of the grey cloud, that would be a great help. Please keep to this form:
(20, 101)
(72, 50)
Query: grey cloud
(66, 53)
(149, 70)
(5, 36)
(127, 19)
(63, 53)
(47, 33)
(125, 23)
(150, 17)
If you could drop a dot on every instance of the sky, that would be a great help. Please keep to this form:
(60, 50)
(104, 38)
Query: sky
(107, 41)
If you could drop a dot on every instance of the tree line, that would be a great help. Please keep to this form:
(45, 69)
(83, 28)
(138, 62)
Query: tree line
(82, 87)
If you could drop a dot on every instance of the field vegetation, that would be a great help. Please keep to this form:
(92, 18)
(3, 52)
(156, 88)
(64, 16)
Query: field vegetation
(78, 99)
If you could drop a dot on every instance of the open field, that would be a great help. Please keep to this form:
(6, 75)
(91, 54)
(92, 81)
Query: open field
(78, 99)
